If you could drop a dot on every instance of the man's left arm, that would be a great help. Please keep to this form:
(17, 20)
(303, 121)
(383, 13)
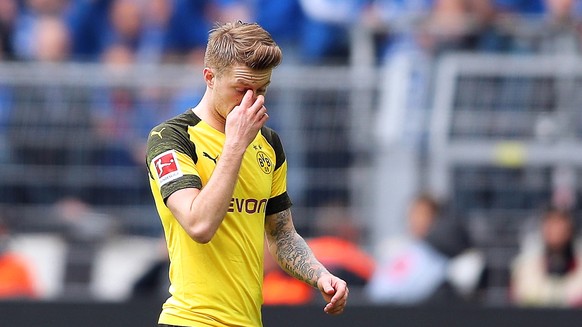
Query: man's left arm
(296, 258)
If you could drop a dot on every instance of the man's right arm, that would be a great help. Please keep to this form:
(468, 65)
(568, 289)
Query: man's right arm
(200, 212)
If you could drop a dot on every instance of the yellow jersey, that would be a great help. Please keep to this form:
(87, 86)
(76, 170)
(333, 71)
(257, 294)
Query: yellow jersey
(218, 283)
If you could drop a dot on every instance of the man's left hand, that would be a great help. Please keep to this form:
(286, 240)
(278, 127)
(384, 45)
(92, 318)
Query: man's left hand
(335, 292)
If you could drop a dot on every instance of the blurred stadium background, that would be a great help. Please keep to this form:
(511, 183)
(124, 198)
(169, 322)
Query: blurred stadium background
(477, 102)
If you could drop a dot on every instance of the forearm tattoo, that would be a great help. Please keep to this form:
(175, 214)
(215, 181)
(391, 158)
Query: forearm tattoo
(293, 253)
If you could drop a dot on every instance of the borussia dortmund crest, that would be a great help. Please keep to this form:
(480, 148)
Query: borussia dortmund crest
(264, 162)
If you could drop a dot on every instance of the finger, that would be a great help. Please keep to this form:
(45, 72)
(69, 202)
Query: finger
(339, 302)
(264, 117)
(247, 100)
(261, 112)
(259, 103)
(340, 294)
(333, 310)
(327, 288)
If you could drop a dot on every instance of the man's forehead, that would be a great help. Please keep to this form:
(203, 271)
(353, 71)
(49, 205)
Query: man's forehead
(246, 75)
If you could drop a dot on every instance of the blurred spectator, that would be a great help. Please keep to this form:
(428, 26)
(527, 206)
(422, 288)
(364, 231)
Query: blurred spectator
(51, 40)
(32, 16)
(326, 36)
(548, 272)
(401, 15)
(156, 31)
(5, 109)
(395, 24)
(44, 109)
(85, 231)
(439, 26)
(410, 270)
(542, 26)
(115, 112)
(284, 19)
(98, 25)
(122, 117)
(414, 268)
(445, 27)
(232, 10)
(521, 7)
(154, 282)
(88, 21)
(153, 46)
(187, 31)
(125, 25)
(8, 15)
(17, 280)
(140, 27)
(561, 32)
(51, 43)
(486, 32)
(461, 25)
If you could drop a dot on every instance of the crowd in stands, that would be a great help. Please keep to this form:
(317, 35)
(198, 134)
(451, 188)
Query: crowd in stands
(311, 31)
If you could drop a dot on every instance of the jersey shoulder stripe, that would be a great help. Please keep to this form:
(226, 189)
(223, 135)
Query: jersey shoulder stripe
(273, 139)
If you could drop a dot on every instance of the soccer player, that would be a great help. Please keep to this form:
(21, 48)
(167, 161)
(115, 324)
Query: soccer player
(218, 176)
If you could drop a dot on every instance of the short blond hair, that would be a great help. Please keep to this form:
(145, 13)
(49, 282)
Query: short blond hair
(241, 43)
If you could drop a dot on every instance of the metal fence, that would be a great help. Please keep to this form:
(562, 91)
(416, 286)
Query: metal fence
(79, 131)
(505, 141)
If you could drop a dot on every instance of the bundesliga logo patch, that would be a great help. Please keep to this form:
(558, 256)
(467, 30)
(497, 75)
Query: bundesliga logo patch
(167, 167)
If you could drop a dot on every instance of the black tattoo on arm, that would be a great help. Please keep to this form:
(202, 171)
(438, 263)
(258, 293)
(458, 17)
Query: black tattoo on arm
(292, 252)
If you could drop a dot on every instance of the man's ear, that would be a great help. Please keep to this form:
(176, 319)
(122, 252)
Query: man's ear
(209, 77)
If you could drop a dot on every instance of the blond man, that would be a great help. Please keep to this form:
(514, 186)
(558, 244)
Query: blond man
(218, 176)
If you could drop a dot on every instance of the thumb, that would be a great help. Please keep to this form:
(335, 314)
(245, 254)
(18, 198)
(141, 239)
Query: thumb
(328, 289)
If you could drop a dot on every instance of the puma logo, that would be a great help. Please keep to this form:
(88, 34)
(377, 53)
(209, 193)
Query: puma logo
(209, 157)
(157, 133)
